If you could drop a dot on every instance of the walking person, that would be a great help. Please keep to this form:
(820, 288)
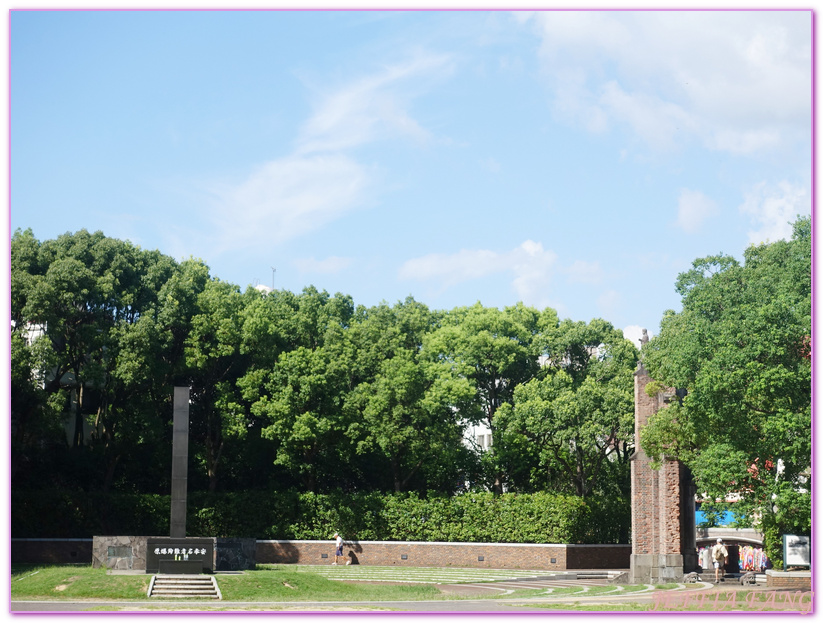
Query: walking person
(720, 558)
(338, 544)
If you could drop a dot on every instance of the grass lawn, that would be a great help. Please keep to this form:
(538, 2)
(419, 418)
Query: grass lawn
(633, 588)
(291, 584)
(283, 584)
(74, 582)
(271, 584)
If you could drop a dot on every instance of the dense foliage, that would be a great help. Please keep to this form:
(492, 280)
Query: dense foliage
(575, 419)
(310, 411)
(741, 347)
(301, 392)
(471, 517)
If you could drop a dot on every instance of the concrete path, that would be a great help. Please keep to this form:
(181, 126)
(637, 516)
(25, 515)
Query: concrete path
(480, 605)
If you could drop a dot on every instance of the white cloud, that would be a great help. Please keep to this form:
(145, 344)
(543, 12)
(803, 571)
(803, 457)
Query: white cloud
(608, 303)
(738, 81)
(453, 269)
(320, 182)
(774, 209)
(370, 109)
(491, 165)
(329, 266)
(530, 266)
(533, 267)
(693, 208)
(585, 272)
(657, 122)
(289, 197)
(744, 142)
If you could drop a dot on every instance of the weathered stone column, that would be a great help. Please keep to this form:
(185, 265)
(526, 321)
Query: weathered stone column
(180, 462)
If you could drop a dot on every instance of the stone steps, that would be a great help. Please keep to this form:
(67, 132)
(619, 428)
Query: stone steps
(181, 586)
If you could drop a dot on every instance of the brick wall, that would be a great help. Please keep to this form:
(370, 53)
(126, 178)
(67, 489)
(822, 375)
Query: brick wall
(669, 507)
(662, 530)
(796, 580)
(382, 553)
(598, 556)
(463, 555)
(645, 495)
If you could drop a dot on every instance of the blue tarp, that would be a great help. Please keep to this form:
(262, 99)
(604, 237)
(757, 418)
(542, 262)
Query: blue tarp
(724, 520)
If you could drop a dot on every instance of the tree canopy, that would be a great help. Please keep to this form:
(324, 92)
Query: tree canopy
(575, 421)
(297, 391)
(740, 348)
(310, 392)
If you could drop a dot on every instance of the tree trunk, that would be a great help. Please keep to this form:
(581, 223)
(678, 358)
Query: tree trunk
(395, 470)
(214, 446)
(213, 460)
(398, 484)
(581, 474)
(111, 465)
(77, 440)
(311, 481)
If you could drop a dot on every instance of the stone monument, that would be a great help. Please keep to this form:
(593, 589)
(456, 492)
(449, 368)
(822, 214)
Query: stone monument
(663, 508)
(176, 553)
(179, 462)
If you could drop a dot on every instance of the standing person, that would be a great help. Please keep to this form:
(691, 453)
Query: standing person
(338, 544)
(720, 558)
(706, 562)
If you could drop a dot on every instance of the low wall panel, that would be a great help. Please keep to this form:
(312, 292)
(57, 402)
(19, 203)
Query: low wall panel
(798, 580)
(463, 555)
(598, 556)
(101, 552)
(51, 551)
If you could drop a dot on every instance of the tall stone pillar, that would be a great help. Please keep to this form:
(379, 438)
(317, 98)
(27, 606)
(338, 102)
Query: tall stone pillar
(663, 525)
(180, 462)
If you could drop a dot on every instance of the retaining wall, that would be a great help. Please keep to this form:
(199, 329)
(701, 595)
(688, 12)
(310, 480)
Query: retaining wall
(464, 555)
(383, 553)
(800, 580)
(51, 551)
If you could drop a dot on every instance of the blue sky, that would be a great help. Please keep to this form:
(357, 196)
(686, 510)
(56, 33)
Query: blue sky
(572, 159)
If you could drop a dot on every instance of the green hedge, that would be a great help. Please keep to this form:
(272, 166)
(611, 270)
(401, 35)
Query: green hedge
(472, 517)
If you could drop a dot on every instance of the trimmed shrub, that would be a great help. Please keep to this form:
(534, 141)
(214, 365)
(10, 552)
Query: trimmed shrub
(471, 517)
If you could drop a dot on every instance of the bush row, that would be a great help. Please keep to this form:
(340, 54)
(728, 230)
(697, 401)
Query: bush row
(472, 517)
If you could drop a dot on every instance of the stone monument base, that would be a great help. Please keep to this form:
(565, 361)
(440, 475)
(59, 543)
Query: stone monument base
(656, 568)
(130, 553)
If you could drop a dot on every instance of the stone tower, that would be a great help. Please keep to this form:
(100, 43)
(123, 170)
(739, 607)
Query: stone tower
(663, 521)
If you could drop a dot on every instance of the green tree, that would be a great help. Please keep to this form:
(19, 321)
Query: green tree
(572, 428)
(406, 407)
(215, 362)
(270, 326)
(495, 351)
(84, 295)
(300, 398)
(35, 422)
(741, 348)
(303, 406)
